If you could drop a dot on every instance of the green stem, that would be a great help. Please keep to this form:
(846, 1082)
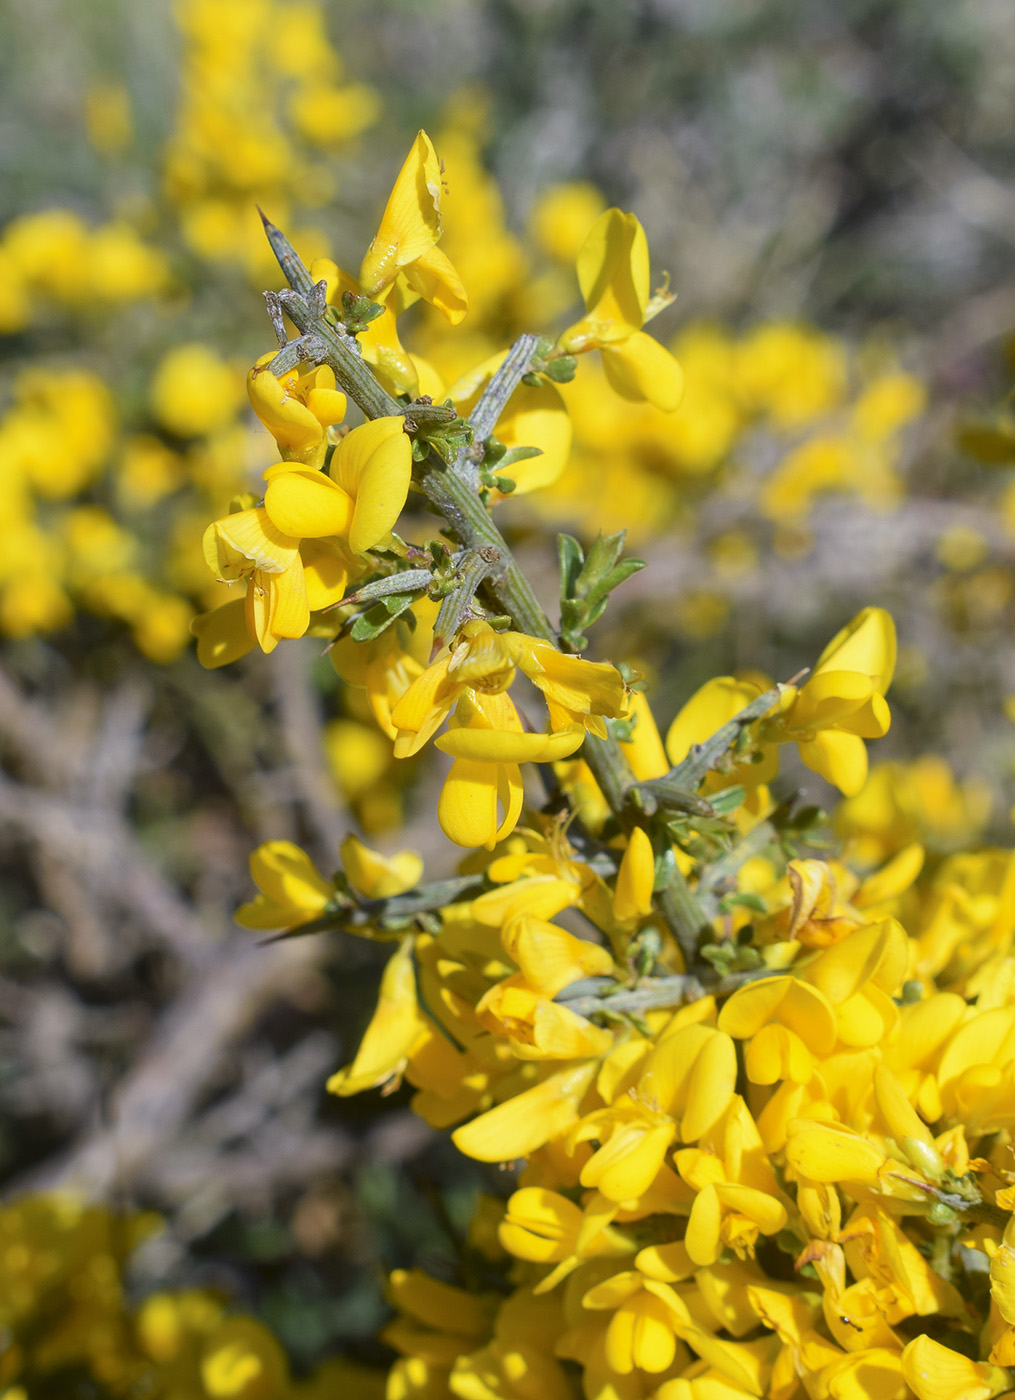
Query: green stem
(685, 916)
(473, 569)
(662, 991)
(656, 992)
(494, 398)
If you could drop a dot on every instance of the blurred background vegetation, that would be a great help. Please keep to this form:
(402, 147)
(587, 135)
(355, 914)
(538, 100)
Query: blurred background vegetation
(830, 186)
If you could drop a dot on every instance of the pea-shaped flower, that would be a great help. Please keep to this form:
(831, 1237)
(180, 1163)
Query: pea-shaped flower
(297, 409)
(359, 499)
(613, 272)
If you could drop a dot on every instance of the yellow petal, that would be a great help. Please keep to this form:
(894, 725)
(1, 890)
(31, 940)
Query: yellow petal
(397, 1025)
(633, 894)
(900, 1117)
(326, 570)
(708, 709)
(702, 1235)
(641, 1335)
(710, 1087)
(526, 1122)
(583, 687)
(397, 369)
(539, 1225)
(307, 504)
(437, 281)
(830, 1153)
(286, 874)
(875, 954)
(786, 1000)
(841, 759)
(411, 223)
(439, 1305)
(561, 1034)
(626, 1165)
(764, 1210)
(373, 464)
(776, 1053)
(511, 796)
(550, 957)
(222, 635)
(238, 544)
(467, 806)
(935, 1372)
(496, 746)
(613, 270)
(643, 371)
(276, 606)
(829, 697)
(644, 750)
(866, 644)
(427, 701)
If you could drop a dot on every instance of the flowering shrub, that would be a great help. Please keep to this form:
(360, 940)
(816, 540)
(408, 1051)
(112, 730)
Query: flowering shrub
(756, 1094)
(752, 1089)
(70, 1328)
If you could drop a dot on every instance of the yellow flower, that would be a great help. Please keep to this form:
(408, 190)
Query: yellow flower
(396, 1028)
(842, 703)
(297, 409)
(613, 272)
(406, 241)
(377, 876)
(386, 666)
(485, 739)
(484, 661)
(292, 889)
(193, 392)
(361, 497)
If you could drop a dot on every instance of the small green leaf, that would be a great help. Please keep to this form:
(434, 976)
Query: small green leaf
(561, 369)
(518, 454)
(569, 552)
(615, 578)
(373, 622)
(728, 799)
(730, 902)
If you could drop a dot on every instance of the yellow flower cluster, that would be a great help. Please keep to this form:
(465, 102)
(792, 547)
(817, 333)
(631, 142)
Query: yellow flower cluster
(799, 1187)
(831, 421)
(262, 94)
(756, 1098)
(106, 494)
(62, 551)
(54, 260)
(69, 1327)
